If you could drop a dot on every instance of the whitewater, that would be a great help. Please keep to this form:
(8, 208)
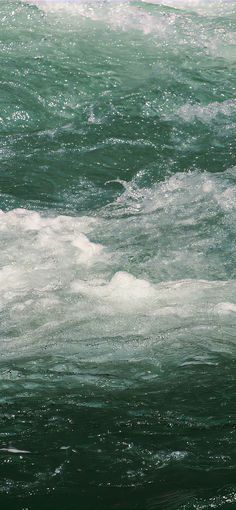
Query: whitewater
(117, 259)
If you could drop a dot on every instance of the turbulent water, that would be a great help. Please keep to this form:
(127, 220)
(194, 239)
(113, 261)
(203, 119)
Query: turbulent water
(117, 260)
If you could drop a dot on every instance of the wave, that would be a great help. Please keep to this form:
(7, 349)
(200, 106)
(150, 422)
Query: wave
(81, 273)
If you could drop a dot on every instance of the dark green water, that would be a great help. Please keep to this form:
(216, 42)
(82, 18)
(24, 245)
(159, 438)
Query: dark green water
(117, 260)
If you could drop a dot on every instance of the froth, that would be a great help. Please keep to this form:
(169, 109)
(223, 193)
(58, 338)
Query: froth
(123, 292)
(206, 114)
(66, 281)
(39, 253)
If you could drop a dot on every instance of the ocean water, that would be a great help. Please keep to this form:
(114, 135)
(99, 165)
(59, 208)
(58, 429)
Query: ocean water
(118, 255)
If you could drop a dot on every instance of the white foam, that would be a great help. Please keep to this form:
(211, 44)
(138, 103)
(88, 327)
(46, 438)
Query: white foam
(183, 189)
(225, 308)
(179, 31)
(41, 253)
(123, 292)
(148, 265)
(120, 15)
(31, 220)
(133, 295)
(88, 252)
(206, 114)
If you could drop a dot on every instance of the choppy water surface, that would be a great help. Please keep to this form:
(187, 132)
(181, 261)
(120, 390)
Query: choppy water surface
(118, 270)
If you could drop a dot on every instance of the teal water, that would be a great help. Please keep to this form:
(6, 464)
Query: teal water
(117, 260)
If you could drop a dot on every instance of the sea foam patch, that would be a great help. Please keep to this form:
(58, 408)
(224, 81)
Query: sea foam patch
(41, 253)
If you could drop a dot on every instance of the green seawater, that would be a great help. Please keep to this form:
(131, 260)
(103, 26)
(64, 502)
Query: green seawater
(118, 255)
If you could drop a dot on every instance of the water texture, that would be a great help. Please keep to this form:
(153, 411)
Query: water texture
(117, 259)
